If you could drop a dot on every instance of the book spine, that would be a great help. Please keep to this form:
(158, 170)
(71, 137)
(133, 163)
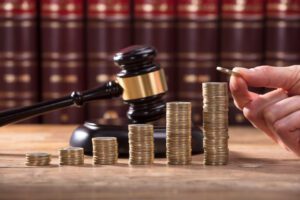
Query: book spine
(282, 32)
(197, 50)
(242, 36)
(62, 55)
(108, 30)
(18, 54)
(154, 24)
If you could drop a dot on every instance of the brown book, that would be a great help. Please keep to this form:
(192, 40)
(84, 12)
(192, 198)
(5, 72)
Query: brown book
(242, 30)
(62, 45)
(280, 63)
(18, 54)
(283, 32)
(197, 50)
(154, 24)
(108, 30)
(242, 36)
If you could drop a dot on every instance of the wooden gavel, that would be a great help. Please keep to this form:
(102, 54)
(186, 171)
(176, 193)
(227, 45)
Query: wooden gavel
(141, 83)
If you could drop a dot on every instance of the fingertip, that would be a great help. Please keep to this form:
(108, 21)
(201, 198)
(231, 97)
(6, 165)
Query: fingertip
(237, 84)
(239, 91)
(233, 84)
(248, 74)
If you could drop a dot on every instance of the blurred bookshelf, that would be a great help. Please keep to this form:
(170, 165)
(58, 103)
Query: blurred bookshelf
(49, 48)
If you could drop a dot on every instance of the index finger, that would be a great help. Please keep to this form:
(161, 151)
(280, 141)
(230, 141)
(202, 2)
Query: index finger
(270, 77)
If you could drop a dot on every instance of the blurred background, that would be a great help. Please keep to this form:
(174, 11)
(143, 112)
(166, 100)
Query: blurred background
(49, 48)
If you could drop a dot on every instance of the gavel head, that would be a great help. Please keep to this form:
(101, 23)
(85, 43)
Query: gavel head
(143, 83)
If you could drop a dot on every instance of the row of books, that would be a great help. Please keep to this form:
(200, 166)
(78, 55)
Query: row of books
(49, 48)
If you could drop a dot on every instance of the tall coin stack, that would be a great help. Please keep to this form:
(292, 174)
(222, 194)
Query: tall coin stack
(179, 150)
(71, 156)
(37, 159)
(141, 144)
(215, 123)
(105, 150)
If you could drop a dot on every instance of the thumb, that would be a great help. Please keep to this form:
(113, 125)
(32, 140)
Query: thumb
(240, 93)
(272, 77)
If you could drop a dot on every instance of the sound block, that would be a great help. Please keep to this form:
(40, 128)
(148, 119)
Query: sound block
(82, 137)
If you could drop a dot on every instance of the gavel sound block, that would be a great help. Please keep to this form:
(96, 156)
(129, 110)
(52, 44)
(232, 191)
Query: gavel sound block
(142, 85)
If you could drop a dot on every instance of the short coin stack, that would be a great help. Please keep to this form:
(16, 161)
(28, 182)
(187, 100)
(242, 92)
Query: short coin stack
(105, 150)
(37, 159)
(215, 123)
(178, 130)
(71, 156)
(141, 144)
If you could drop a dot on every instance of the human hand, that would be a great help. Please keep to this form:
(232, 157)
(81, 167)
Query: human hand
(277, 113)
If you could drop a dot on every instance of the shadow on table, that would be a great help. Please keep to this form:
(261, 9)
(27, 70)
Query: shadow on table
(19, 155)
(12, 154)
(239, 161)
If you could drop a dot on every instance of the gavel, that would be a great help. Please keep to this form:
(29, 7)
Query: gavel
(141, 83)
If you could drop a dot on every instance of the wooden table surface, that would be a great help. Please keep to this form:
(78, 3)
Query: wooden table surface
(258, 169)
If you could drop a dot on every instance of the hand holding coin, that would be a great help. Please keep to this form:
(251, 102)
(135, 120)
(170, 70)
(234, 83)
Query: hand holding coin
(277, 113)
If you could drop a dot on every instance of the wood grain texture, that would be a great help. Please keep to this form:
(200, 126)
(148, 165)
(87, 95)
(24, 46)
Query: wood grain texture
(258, 169)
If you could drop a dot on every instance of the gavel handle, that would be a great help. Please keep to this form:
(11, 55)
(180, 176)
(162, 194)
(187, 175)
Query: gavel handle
(108, 90)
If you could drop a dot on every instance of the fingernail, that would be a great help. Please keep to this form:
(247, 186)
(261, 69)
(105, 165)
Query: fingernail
(239, 69)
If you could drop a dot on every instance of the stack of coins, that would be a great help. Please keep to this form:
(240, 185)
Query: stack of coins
(105, 150)
(71, 156)
(37, 159)
(215, 123)
(141, 144)
(178, 130)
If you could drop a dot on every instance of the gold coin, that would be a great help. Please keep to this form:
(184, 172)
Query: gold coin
(178, 133)
(215, 123)
(141, 144)
(37, 159)
(105, 150)
(71, 156)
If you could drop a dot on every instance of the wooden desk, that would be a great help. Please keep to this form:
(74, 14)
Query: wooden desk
(258, 169)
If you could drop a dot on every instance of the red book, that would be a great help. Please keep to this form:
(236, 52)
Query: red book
(282, 32)
(18, 54)
(108, 30)
(242, 36)
(154, 24)
(62, 42)
(197, 46)
(242, 30)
